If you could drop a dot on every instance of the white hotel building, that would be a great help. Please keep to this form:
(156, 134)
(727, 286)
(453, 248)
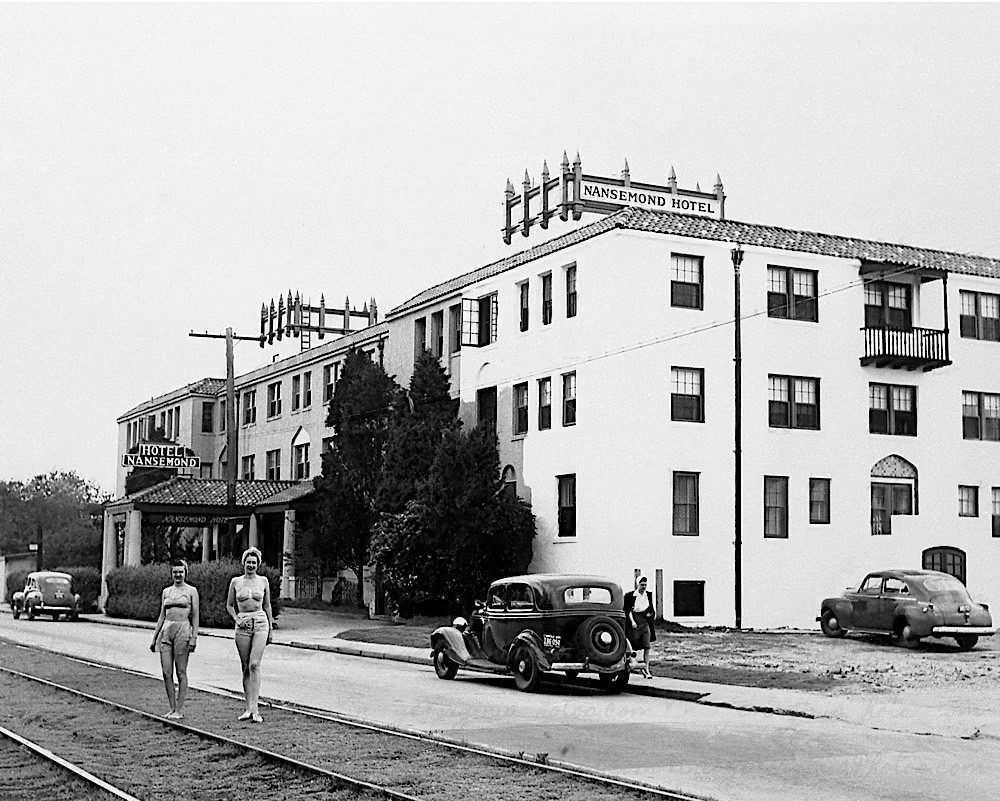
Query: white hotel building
(605, 356)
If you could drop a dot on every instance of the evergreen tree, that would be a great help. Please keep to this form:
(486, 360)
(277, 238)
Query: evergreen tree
(346, 491)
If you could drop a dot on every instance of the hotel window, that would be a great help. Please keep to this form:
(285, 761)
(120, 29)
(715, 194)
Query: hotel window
(544, 403)
(302, 461)
(248, 468)
(177, 422)
(571, 291)
(250, 407)
(996, 511)
(437, 333)
(150, 425)
(170, 424)
(163, 423)
(419, 337)
(892, 409)
(455, 320)
(686, 394)
(222, 416)
(981, 416)
(776, 506)
(479, 320)
(273, 459)
(819, 500)
(968, 501)
(686, 281)
(326, 446)
(331, 373)
(486, 408)
(689, 599)
(685, 504)
(546, 298)
(205, 471)
(792, 294)
(567, 505)
(980, 316)
(793, 402)
(307, 390)
(889, 499)
(569, 399)
(887, 305)
(296, 393)
(274, 399)
(521, 408)
(524, 291)
(207, 417)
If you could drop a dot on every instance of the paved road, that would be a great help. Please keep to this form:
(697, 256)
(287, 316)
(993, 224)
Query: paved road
(725, 754)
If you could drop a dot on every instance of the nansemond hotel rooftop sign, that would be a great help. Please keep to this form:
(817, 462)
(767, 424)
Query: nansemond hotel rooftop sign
(649, 198)
(157, 455)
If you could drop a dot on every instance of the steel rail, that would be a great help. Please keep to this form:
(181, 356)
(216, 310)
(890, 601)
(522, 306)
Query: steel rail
(552, 766)
(273, 756)
(66, 765)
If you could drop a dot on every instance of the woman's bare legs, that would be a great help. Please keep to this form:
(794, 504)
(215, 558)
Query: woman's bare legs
(167, 666)
(181, 665)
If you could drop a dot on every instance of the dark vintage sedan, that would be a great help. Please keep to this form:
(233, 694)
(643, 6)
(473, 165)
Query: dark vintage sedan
(536, 624)
(908, 605)
(48, 593)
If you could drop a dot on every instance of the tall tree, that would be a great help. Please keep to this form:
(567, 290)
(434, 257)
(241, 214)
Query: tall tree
(346, 490)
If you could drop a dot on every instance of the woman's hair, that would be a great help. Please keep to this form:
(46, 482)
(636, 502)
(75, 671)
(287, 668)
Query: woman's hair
(178, 563)
(251, 551)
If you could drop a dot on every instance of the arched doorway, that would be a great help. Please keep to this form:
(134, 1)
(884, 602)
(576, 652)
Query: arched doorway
(946, 559)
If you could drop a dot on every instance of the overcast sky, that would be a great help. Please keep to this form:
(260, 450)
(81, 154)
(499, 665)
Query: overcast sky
(164, 168)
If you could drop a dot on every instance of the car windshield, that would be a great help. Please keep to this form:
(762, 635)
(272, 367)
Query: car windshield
(587, 595)
(946, 589)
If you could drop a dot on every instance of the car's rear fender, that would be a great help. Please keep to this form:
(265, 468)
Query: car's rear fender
(451, 640)
(531, 641)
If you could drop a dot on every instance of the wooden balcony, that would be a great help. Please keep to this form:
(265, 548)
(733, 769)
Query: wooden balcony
(907, 349)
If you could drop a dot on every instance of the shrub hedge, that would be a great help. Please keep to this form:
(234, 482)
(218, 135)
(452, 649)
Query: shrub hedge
(134, 592)
(86, 581)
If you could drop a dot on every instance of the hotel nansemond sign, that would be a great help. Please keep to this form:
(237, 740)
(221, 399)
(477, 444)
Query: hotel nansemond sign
(649, 199)
(156, 455)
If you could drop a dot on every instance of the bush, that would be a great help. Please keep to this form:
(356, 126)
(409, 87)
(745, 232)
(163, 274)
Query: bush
(134, 592)
(86, 582)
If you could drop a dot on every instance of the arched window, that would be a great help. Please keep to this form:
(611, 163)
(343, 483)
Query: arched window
(893, 492)
(947, 560)
(509, 478)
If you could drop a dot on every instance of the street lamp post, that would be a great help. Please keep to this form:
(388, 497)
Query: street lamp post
(737, 256)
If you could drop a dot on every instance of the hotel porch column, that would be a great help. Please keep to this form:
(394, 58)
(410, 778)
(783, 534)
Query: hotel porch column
(287, 558)
(109, 555)
(253, 540)
(133, 539)
(206, 543)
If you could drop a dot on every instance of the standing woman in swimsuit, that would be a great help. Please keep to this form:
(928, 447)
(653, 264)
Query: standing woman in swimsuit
(176, 635)
(249, 605)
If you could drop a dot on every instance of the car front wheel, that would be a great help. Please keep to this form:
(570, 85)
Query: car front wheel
(17, 612)
(614, 682)
(966, 641)
(31, 613)
(830, 625)
(527, 676)
(443, 666)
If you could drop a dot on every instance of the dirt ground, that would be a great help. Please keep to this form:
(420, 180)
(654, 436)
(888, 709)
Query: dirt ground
(810, 661)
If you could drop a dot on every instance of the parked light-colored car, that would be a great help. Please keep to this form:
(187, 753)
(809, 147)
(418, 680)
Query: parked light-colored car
(908, 605)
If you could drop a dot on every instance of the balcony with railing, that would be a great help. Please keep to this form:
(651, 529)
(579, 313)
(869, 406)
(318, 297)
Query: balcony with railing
(905, 348)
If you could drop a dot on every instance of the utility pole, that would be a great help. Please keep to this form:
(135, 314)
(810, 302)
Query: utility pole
(232, 440)
(737, 255)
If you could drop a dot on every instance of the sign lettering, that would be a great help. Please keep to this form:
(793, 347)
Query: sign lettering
(162, 456)
(650, 199)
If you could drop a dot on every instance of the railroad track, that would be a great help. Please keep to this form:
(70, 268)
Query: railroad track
(413, 746)
(37, 768)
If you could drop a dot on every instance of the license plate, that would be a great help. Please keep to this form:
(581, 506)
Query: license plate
(965, 608)
(551, 640)
(59, 596)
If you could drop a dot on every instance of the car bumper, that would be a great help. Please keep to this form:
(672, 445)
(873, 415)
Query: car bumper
(981, 631)
(585, 667)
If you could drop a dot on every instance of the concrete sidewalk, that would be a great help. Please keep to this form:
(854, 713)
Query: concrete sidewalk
(949, 712)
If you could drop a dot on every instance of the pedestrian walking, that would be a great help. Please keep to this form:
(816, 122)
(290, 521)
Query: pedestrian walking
(249, 604)
(639, 614)
(176, 635)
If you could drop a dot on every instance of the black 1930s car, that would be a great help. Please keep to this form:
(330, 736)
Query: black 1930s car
(534, 624)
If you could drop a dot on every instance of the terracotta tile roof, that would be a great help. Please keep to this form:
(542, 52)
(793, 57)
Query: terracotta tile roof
(769, 236)
(185, 491)
(204, 386)
(290, 494)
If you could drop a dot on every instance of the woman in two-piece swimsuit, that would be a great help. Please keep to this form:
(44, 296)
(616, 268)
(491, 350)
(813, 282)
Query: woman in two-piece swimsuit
(249, 604)
(176, 635)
